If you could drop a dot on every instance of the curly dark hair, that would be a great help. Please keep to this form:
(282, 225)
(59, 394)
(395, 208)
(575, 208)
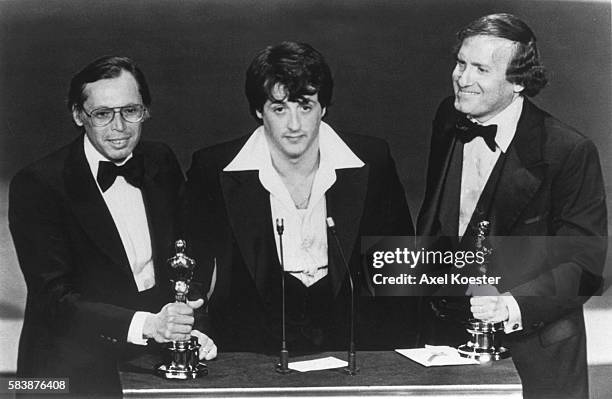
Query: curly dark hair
(298, 67)
(525, 68)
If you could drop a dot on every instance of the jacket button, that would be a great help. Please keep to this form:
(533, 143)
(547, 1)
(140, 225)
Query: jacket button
(515, 326)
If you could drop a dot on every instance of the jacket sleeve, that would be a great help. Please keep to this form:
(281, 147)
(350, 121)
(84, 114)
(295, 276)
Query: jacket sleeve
(37, 225)
(576, 249)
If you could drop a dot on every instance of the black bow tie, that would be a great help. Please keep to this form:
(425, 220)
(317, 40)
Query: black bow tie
(467, 130)
(132, 171)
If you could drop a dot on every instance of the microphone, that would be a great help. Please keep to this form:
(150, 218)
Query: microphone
(352, 354)
(282, 366)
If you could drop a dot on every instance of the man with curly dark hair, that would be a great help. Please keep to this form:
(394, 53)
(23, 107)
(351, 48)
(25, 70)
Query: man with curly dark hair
(296, 168)
(495, 156)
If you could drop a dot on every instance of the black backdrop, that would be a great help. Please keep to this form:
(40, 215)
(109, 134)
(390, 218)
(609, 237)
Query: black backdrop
(391, 61)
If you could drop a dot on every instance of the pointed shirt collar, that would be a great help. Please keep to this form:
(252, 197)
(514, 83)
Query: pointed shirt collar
(255, 154)
(334, 154)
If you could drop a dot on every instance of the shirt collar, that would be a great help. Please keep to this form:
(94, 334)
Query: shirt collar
(255, 154)
(506, 122)
(94, 157)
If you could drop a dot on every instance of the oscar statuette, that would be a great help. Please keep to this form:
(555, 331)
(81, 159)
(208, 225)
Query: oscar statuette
(183, 361)
(485, 337)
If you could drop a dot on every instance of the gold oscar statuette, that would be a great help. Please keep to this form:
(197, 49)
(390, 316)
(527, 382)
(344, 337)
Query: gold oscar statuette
(485, 338)
(183, 361)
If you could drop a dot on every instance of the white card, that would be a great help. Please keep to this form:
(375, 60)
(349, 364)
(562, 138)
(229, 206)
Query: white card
(318, 364)
(436, 356)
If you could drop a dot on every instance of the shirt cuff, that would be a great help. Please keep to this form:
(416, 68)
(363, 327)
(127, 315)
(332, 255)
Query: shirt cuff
(514, 322)
(135, 333)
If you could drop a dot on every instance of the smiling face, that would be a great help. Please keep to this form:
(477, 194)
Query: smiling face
(291, 127)
(117, 140)
(479, 77)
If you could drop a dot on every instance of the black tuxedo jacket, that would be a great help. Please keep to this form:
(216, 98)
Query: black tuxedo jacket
(228, 221)
(81, 290)
(550, 199)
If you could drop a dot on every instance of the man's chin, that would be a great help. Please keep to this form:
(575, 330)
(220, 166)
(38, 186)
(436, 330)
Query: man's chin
(462, 106)
(118, 155)
(459, 106)
(294, 152)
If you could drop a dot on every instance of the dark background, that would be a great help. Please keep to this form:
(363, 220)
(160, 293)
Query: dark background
(391, 62)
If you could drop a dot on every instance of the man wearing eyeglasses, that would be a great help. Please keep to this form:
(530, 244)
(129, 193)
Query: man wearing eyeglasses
(93, 226)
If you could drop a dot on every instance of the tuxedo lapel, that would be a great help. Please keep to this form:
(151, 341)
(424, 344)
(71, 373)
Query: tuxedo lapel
(159, 214)
(250, 217)
(450, 192)
(89, 207)
(345, 203)
(522, 173)
(432, 222)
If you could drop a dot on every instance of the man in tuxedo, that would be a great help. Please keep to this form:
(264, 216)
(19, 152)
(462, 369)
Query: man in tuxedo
(496, 156)
(93, 226)
(296, 169)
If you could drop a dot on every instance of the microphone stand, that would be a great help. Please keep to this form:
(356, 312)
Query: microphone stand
(282, 367)
(351, 369)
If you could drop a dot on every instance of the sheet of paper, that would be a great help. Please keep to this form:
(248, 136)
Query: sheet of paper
(436, 356)
(318, 364)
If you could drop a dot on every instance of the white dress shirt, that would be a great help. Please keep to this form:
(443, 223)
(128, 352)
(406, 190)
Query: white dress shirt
(478, 163)
(479, 160)
(305, 232)
(126, 206)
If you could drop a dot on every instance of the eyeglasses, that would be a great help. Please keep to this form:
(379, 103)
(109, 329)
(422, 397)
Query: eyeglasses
(130, 113)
